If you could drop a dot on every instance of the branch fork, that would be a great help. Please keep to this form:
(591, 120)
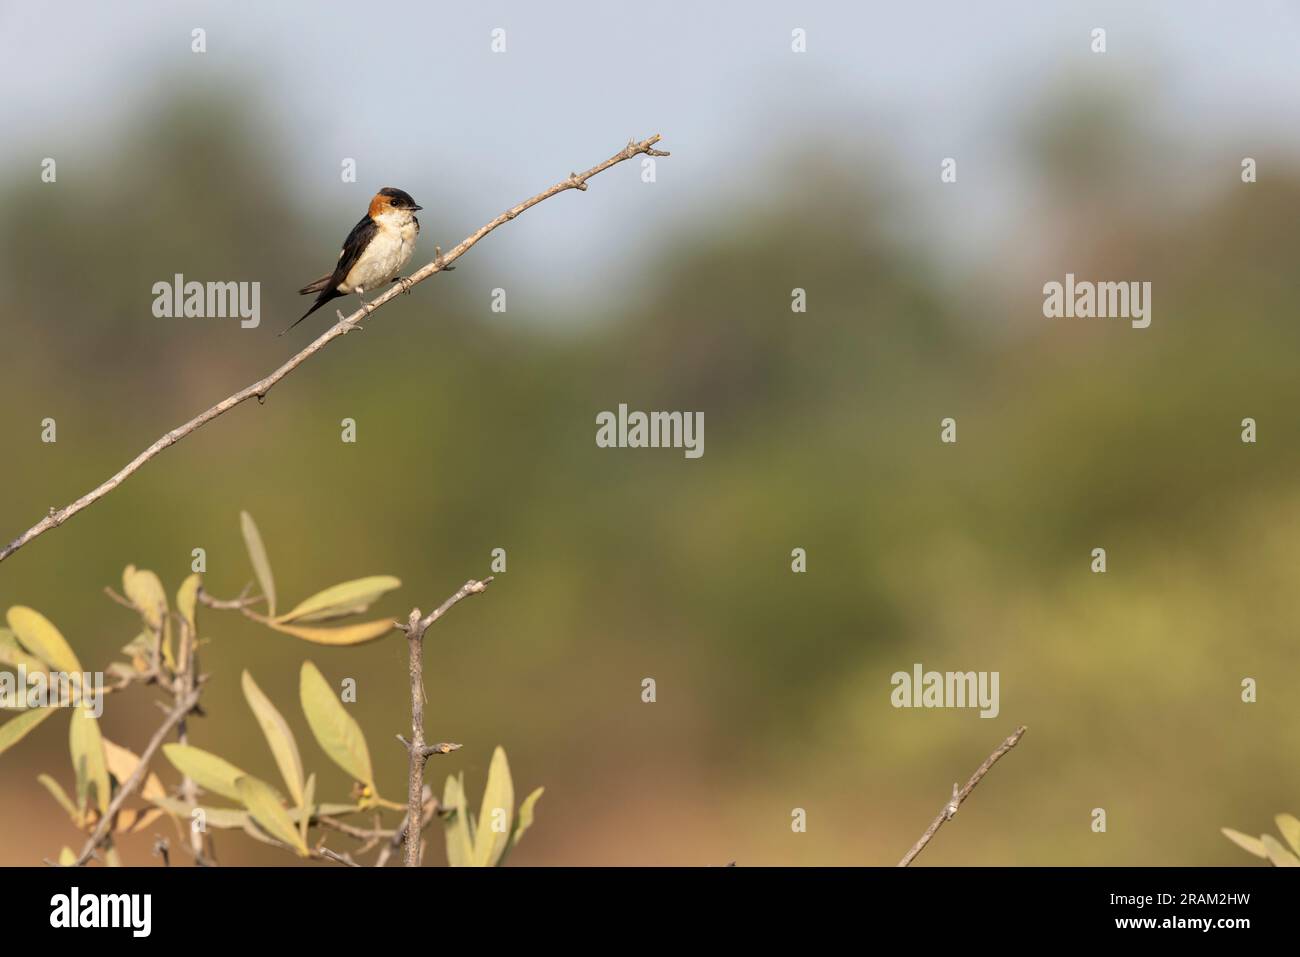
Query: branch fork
(414, 628)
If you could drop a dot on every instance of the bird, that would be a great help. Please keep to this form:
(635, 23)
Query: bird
(374, 252)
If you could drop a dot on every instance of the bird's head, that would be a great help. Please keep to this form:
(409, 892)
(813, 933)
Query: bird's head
(391, 203)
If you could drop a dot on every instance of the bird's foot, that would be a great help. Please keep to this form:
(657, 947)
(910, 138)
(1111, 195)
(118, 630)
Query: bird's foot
(405, 283)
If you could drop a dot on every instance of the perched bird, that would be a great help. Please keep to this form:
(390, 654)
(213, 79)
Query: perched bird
(374, 252)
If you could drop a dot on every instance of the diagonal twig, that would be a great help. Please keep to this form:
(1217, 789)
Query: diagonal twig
(174, 717)
(578, 181)
(958, 796)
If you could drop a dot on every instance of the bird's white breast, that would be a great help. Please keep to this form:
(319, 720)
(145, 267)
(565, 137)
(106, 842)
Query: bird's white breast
(390, 249)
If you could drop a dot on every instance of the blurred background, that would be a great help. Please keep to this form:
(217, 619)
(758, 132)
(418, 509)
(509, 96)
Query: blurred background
(476, 429)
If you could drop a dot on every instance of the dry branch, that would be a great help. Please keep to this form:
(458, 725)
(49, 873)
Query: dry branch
(174, 717)
(958, 796)
(420, 752)
(57, 516)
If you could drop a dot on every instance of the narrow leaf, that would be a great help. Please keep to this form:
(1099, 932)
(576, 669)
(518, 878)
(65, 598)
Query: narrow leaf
(66, 857)
(265, 807)
(15, 729)
(349, 598)
(131, 821)
(1290, 828)
(1278, 854)
(42, 639)
(257, 555)
(305, 808)
(346, 635)
(143, 589)
(336, 731)
(278, 736)
(187, 601)
(13, 655)
(60, 795)
(526, 813)
(498, 809)
(87, 747)
(218, 817)
(206, 769)
(1247, 843)
(460, 846)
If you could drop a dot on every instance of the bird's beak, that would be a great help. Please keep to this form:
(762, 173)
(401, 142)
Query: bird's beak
(417, 207)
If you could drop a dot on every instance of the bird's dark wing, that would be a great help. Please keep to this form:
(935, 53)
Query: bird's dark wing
(353, 247)
(327, 286)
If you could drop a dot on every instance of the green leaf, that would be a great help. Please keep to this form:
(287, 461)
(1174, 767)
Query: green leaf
(305, 808)
(498, 806)
(1247, 843)
(1278, 854)
(12, 654)
(206, 769)
(349, 598)
(524, 821)
(60, 795)
(336, 731)
(218, 817)
(257, 555)
(143, 589)
(187, 602)
(66, 857)
(265, 807)
(460, 846)
(87, 747)
(278, 736)
(347, 635)
(15, 729)
(42, 639)
(1290, 829)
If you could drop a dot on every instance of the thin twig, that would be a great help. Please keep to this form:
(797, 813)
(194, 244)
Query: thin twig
(259, 389)
(240, 603)
(129, 786)
(351, 830)
(416, 748)
(344, 859)
(958, 796)
(428, 812)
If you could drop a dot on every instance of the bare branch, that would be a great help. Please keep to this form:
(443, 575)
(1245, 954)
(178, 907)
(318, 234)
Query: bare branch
(429, 810)
(239, 603)
(419, 752)
(344, 859)
(129, 786)
(958, 796)
(259, 389)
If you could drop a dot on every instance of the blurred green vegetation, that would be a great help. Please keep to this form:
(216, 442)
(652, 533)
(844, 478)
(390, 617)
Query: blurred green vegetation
(476, 431)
